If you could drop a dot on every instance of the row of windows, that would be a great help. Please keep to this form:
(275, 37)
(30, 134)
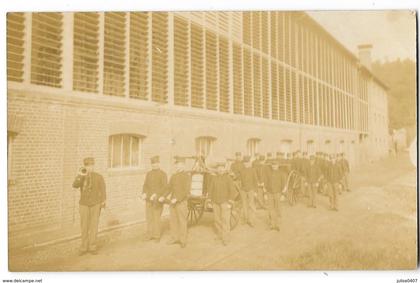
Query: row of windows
(125, 150)
(203, 60)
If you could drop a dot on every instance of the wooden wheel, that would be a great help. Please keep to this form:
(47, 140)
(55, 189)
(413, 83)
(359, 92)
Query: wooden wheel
(195, 210)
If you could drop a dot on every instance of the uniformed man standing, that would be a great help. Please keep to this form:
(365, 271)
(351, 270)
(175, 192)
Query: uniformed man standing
(335, 176)
(221, 194)
(260, 169)
(154, 187)
(178, 191)
(276, 184)
(345, 167)
(249, 183)
(313, 176)
(92, 199)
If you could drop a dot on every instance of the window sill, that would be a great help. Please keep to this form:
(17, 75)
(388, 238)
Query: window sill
(126, 171)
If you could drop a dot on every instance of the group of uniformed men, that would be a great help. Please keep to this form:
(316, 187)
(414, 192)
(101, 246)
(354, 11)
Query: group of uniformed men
(263, 179)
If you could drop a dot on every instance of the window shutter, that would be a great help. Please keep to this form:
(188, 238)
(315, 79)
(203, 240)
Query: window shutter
(15, 46)
(197, 68)
(139, 55)
(274, 91)
(246, 27)
(282, 94)
(247, 81)
(211, 70)
(181, 64)
(223, 74)
(257, 84)
(265, 88)
(237, 79)
(114, 53)
(160, 57)
(86, 52)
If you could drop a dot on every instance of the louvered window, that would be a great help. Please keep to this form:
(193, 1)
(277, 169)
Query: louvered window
(301, 47)
(237, 79)
(246, 27)
(223, 75)
(307, 100)
(114, 53)
(265, 88)
(197, 68)
(211, 71)
(264, 32)
(160, 57)
(280, 36)
(223, 22)
(15, 46)
(312, 100)
(293, 40)
(86, 52)
(247, 82)
(273, 34)
(288, 96)
(211, 20)
(274, 91)
(282, 94)
(257, 84)
(316, 106)
(302, 93)
(287, 38)
(139, 55)
(181, 64)
(321, 104)
(256, 30)
(295, 109)
(236, 25)
(46, 55)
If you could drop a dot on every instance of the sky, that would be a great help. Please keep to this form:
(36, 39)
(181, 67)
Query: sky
(392, 33)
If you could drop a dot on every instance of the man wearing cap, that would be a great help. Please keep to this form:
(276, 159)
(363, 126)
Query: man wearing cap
(154, 187)
(221, 194)
(92, 199)
(313, 177)
(178, 191)
(236, 168)
(276, 184)
(249, 182)
(335, 176)
(345, 167)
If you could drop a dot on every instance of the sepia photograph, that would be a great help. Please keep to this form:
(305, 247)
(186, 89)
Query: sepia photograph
(236, 140)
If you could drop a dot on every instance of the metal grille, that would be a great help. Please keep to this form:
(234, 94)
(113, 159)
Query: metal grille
(265, 88)
(86, 55)
(274, 91)
(237, 79)
(181, 63)
(160, 57)
(139, 55)
(257, 84)
(114, 54)
(247, 82)
(211, 70)
(246, 27)
(15, 48)
(46, 55)
(197, 67)
(223, 74)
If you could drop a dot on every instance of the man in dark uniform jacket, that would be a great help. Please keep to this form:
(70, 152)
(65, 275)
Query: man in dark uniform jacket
(260, 168)
(334, 175)
(249, 183)
(345, 167)
(236, 167)
(221, 194)
(276, 184)
(304, 166)
(92, 199)
(179, 188)
(313, 176)
(154, 188)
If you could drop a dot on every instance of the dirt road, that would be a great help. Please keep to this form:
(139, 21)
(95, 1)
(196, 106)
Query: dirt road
(375, 228)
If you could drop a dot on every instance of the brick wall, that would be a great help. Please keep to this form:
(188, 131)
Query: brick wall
(58, 133)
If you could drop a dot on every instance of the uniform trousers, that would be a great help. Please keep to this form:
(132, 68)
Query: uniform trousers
(178, 221)
(89, 220)
(248, 206)
(312, 187)
(221, 214)
(333, 194)
(274, 211)
(153, 214)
